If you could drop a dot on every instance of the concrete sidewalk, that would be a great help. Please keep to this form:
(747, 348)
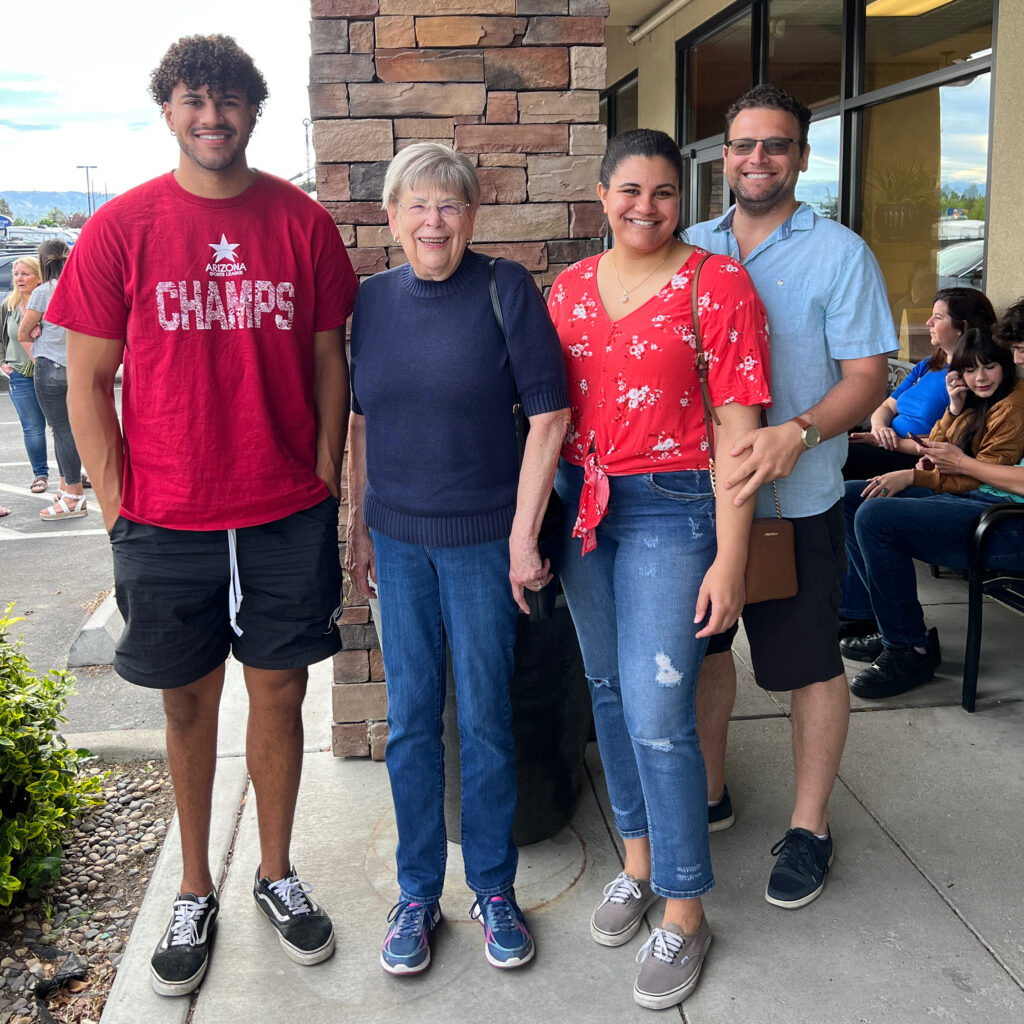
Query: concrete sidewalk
(922, 918)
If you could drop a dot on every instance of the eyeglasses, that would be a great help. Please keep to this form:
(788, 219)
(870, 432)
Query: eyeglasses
(772, 147)
(448, 211)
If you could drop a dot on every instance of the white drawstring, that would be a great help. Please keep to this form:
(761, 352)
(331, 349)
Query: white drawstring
(235, 585)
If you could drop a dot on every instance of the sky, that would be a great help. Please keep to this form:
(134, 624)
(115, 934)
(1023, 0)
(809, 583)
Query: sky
(74, 81)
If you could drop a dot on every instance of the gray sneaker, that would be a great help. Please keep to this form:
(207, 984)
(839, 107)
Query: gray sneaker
(671, 965)
(618, 915)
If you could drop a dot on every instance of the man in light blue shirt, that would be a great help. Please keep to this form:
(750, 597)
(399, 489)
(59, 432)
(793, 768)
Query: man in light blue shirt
(830, 328)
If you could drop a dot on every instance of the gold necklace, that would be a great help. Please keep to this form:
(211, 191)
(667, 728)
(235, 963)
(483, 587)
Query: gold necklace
(625, 290)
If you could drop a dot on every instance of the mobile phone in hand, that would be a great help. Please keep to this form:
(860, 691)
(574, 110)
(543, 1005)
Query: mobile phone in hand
(915, 437)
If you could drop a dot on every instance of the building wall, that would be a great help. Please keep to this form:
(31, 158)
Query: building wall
(655, 56)
(1004, 282)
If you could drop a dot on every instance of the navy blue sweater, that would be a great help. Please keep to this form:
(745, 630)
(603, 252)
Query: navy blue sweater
(432, 375)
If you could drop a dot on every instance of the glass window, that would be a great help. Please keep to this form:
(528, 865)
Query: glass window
(923, 175)
(627, 115)
(618, 107)
(713, 196)
(901, 44)
(805, 49)
(818, 186)
(719, 71)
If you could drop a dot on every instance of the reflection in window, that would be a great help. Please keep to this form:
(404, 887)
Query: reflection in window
(712, 191)
(618, 108)
(719, 71)
(818, 186)
(805, 49)
(924, 169)
(901, 46)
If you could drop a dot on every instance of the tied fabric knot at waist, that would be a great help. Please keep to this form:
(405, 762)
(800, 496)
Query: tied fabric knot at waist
(593, 502)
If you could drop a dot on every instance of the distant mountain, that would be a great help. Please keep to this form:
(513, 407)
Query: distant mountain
(31, 206)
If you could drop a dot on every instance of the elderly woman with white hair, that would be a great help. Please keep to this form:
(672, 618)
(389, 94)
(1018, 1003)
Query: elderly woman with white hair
(443, 523)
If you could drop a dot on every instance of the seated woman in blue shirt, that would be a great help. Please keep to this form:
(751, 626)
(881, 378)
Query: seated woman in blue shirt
(919, 402)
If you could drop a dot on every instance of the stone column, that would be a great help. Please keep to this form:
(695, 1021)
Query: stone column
(514, 84)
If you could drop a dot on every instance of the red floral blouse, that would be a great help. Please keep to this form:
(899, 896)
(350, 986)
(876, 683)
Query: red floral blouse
(633, 387)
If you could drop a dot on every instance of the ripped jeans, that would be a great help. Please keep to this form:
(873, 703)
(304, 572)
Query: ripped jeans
(632, 600)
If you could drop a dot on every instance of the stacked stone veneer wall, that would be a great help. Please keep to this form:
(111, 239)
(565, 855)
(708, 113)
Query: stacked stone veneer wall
(513, 84)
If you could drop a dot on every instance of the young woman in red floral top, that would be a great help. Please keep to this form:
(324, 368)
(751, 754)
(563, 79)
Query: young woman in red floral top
(660, 567)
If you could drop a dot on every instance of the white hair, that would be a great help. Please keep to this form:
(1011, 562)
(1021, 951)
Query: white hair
(430, 163)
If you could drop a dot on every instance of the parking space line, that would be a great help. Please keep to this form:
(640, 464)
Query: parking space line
(23, 492)
(8, 534)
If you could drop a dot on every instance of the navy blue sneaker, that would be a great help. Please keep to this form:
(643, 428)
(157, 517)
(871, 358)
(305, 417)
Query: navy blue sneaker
(799, 874)
(507, 940)
(406, 948)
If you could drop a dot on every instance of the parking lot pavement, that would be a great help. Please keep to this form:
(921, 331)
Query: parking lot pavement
(55, 573)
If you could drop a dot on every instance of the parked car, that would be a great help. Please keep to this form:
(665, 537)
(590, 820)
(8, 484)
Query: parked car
(7, 261)
(962, 265)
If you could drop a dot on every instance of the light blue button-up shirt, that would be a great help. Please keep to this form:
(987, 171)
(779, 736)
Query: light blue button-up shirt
(826, 301)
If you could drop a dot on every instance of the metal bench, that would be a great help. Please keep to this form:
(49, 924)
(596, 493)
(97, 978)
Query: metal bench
(1004, 585)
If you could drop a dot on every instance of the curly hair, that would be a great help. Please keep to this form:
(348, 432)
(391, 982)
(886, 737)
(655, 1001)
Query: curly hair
(1009, 331)
(217, 62)
(773, 98)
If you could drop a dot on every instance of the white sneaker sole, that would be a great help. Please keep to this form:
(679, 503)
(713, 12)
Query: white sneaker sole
(177, 988)
(677, 995)
(603, 938)
(810, 898)
(516, 961)
(307, 957)
(402, 969)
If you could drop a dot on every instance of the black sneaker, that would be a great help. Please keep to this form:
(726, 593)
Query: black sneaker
(898, 669)
(862, 648)
(305, 931)
(179, 960)
(720, 816)
(856, 627)
(799, 874)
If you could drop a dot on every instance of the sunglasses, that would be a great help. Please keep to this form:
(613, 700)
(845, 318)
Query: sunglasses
(772, 147)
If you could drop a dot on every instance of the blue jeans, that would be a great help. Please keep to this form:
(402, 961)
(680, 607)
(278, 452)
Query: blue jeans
(462, 594)
(51, 384)
(885, 535)
(632, 600)
(33, 423)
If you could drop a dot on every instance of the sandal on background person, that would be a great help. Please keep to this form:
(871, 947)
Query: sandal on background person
(65, 506)
(39, 485)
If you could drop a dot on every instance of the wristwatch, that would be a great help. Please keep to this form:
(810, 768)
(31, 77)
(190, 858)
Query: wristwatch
(809, 432)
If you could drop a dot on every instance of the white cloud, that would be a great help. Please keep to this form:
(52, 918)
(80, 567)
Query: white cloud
(88, 72)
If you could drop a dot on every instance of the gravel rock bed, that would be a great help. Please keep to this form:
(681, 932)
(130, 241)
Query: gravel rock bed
(78, 929)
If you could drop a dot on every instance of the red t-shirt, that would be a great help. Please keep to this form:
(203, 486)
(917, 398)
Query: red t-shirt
(217, 301)
(633, 386)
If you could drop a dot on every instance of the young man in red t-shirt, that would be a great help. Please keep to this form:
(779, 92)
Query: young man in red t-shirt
(224, 291)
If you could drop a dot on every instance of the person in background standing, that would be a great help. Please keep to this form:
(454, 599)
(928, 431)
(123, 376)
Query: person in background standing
(47, 347)
(18, 368)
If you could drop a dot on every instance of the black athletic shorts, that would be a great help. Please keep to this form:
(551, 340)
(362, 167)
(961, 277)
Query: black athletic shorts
(172, 591)
(793, 642)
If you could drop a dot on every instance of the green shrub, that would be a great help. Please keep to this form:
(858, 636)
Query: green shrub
(40, 790)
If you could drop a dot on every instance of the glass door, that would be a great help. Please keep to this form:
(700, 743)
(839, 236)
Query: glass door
(709, 193)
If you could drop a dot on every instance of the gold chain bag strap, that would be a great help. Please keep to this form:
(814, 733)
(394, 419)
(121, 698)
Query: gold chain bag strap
(771, 556)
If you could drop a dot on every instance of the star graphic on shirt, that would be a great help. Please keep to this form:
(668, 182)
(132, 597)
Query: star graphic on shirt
(223, 250)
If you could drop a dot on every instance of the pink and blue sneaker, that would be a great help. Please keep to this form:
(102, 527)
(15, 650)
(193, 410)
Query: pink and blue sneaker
(406, 948)
(507, 940)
